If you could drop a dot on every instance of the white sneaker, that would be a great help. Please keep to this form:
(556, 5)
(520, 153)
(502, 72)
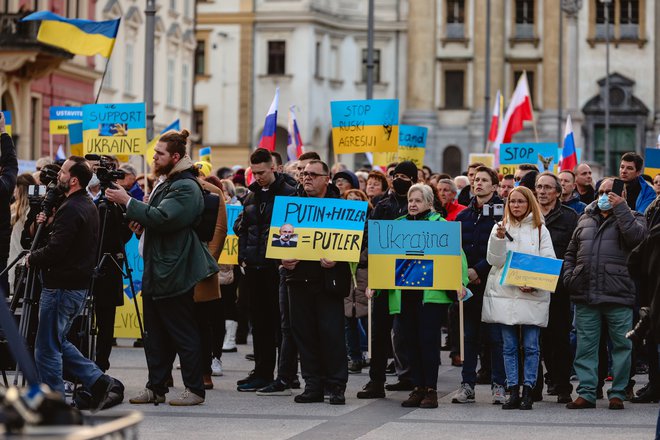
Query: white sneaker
(465, 394)
(499, 394)
(68, 388)
(216, 367)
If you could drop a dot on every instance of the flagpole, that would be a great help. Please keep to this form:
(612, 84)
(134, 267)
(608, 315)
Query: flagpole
(105, 70)
(531, 107)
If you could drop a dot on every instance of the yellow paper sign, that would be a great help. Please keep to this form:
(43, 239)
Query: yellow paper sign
(485, 158)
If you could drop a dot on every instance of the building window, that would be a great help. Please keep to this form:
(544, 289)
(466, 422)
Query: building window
(600, 18)
(317, 60)
(335, 63)
(200, 57)
(455, 19)
(35, 126)
(185, 87)
(629, 19)
(376, 65)
(624, 18)
(170, 82)
(454, 89)
(172, 5)
(128, 69)
(276, 57)
(530, 83)
(198, 124)
(186, 8)
(524, 11)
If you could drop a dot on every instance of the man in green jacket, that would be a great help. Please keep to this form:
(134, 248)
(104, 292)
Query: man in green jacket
(175, 260)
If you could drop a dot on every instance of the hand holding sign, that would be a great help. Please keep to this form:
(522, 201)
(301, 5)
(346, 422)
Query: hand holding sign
(327, 264)
(501, 230)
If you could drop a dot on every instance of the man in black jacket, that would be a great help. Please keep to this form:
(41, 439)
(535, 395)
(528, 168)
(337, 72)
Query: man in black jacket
(66, 263)
(317, 314)
(8, 172)
(555, 343)
(262, 277)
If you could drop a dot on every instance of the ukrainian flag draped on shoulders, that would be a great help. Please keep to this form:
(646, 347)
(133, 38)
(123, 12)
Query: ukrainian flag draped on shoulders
(430, 296)
(78, 36)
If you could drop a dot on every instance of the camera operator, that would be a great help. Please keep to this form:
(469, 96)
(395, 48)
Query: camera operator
(47, 178)
(66, 262)
(8, 173)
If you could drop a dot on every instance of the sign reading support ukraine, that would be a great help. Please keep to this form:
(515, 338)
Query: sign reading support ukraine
(362, 126)
(415, 255)
(114, 129)
(7, 114)
(126, 320)
(652, 162)
(61, 117)
(412, 144)
(526, 270)
(229, 254)
(543, 155)
(307, 228)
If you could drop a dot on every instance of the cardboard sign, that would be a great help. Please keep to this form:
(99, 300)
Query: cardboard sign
(114, 129)
(76, 138)
(412, 144)
(307, 228)
(415, 255)
(487, 159)
(367, 125)
(543, 155)
(126, 321)
(61, 117)
(652, 162)
(229, 253)
(7, 114)
(531, 271)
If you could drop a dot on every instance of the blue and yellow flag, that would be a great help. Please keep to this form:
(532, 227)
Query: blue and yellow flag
(82, 37)
(229, 253)
(531, 271)
(76, 138)
(362, 126)
(205, 154)
(7, 114)
(652, 162)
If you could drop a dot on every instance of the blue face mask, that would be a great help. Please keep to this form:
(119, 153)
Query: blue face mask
(604, 203)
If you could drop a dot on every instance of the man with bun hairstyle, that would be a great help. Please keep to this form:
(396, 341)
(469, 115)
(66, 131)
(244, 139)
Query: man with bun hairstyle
(175, 260)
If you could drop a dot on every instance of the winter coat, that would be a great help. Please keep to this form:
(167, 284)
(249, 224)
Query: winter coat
(453, 208)
(561, 223)
(507, 304)
(575, 203)
(595, 270)
(175, 260)
(390, 207)
(253, 224)
(208, 289)
(646, 196)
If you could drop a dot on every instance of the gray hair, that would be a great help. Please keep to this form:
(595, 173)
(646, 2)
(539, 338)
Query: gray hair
(451, 184)
(427, 193)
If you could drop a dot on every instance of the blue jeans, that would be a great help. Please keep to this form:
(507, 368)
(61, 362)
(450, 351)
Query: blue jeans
(474, 330)
(53, 353)
(530, 343)
(353, 333)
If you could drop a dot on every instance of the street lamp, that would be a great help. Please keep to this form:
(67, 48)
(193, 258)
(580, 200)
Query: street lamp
(607, 86)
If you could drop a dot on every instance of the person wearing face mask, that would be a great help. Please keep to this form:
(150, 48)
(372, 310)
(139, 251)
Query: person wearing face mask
(602, 289)
(391, 207)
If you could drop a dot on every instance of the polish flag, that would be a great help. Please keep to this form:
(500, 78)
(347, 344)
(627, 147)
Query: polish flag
(568, 158)
(495, 120)
(519, 110)
(294, 145)
(267, 140)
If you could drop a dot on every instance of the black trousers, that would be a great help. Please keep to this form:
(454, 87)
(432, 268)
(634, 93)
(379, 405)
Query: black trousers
(170, 328)
(317, 322)
(381, 339)
(555, 344)
(287, 365)
(105, 324)
(263, 290)
(211, 323)
(230, 297)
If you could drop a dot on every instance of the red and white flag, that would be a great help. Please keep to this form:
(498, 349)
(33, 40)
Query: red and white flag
(519, 110)
(495, 119)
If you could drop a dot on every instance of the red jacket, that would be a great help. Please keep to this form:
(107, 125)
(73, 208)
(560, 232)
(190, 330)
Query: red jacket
(453, 209)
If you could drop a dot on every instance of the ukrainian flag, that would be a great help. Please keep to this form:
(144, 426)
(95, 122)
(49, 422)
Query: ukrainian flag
(205, 154)
(531, 271)
(81, 37)
(76, 138)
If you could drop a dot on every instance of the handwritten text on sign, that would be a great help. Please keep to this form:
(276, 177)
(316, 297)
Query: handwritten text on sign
(368, 125)
(114, 129)
(414, 255)
(311, 229)
(229, 254)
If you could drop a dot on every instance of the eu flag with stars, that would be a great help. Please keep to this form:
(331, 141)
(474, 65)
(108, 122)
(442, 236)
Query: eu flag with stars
(414, 273)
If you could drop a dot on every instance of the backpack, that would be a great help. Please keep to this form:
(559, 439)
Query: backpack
(205, 226)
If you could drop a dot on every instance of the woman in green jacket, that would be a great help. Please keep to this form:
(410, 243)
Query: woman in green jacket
(421, 312)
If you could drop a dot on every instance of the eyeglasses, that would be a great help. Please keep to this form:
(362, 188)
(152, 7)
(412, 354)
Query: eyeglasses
(312, 175)
(545, 187)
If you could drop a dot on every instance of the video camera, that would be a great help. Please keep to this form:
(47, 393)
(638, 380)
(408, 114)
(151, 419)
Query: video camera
(47, 195)
(106, 171)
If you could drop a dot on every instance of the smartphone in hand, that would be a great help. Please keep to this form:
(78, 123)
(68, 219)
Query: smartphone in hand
(617, 187)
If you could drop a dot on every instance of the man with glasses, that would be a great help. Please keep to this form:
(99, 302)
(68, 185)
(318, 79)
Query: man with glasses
(317, 312)
(602, 289)
(555, 343)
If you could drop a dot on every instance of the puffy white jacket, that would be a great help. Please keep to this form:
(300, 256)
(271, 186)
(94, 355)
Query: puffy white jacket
(507, 304)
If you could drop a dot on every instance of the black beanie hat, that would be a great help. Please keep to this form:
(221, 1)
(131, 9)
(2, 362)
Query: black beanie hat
(408, 168)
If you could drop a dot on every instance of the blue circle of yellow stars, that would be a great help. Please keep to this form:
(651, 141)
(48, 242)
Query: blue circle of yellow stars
(414, 273)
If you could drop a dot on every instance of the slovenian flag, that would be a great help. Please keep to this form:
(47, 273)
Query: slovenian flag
(294, 145)
(81, 37)
(568, 159)
(267, 140)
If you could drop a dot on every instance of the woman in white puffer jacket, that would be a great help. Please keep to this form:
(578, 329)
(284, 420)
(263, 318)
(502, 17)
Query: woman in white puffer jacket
(521, 311)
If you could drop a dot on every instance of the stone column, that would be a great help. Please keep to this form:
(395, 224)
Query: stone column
(420, 88)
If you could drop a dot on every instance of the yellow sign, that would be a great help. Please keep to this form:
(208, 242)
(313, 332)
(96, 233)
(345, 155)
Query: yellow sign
(126, 320)
(362, 126)
(114, 129)
(485, 158)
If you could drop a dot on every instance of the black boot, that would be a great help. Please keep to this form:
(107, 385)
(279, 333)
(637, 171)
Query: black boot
(514, 398)
(527, 401)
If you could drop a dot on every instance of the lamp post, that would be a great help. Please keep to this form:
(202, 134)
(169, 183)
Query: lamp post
(370, 50)
(150, 29)
(606, 96)
(487, 115)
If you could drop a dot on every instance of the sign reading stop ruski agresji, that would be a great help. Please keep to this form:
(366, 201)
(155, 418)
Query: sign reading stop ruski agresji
(114, 129)
(363, 126)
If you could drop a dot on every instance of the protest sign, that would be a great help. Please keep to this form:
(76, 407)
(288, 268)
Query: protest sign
(76, 138)
(7, 114)
(531, 271)
(126, 320)
(61, 117)
(488, 159)
(415, 255)
(652, 162)
(307, 228)
(384, 159)
(412, 144)
(114, 129)
(543, 155)
(229, 253)
(367, 125)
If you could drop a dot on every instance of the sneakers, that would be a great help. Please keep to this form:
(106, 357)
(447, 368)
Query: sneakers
(250, 377)
(216, 367)
(465, 394)
(147, 396)
(275, 388)
(68, 388)
(499, 394)
(355, 367)
(253, 385)
(187, 398)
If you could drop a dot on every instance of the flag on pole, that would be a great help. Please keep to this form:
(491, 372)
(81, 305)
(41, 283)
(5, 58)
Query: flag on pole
(267, 140)
(568, 159)
(205, 154)
(519, 110)
(151, 146)
(495, 119)
(294, 143)
(78, 36)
